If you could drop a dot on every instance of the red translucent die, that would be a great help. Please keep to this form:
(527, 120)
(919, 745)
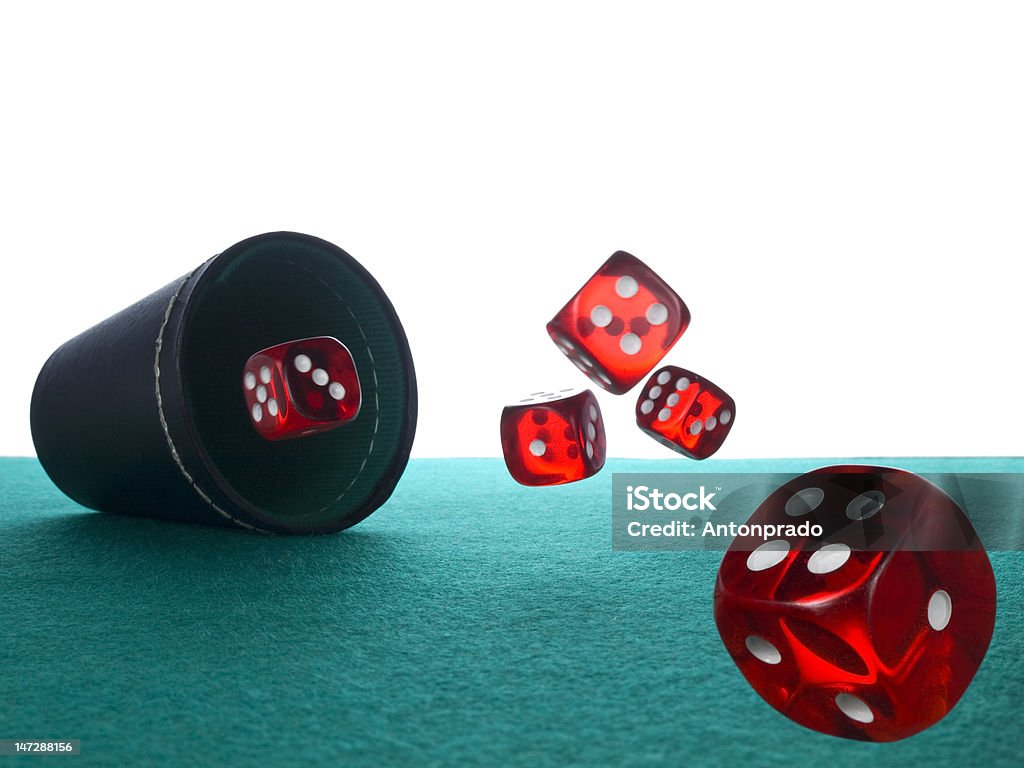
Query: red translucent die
(685, 412)
(301, 387)
(872, 630)
(553, 437)
(620, 323)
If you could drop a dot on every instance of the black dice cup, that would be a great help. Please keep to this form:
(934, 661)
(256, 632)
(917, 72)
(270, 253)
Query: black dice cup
(144, 414)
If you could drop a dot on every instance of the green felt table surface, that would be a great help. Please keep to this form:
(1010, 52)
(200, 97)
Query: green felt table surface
(469, 621)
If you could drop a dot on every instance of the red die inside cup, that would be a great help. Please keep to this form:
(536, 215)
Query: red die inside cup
(301, 387)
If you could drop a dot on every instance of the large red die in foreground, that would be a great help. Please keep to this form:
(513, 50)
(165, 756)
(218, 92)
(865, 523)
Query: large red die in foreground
(301, 387)
(620, 324)
(872, 630)
(685, 412)
(550, 438)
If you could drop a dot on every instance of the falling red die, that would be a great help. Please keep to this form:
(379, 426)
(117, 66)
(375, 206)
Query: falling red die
(620, 324)
(301, 387)
(685, 412)
(873, 629)
(550, 438)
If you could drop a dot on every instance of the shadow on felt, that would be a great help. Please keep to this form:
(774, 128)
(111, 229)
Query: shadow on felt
(119, 569)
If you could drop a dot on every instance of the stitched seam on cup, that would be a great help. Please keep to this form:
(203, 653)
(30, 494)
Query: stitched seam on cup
(163, 420)
(376, 413)
(373, 371)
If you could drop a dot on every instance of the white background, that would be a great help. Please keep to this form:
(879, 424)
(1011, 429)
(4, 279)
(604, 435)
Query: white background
(836, 190)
